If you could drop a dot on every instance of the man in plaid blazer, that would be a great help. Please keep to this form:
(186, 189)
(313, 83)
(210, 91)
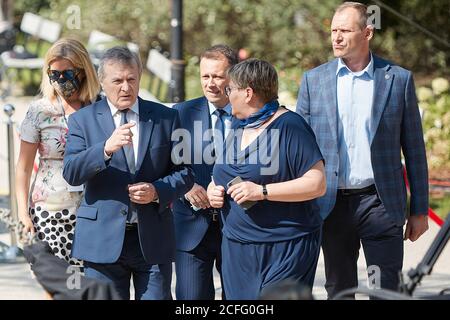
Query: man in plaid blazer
(364, 112)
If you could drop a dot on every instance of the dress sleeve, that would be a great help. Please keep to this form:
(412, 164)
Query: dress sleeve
(30, 128)
(303, 151)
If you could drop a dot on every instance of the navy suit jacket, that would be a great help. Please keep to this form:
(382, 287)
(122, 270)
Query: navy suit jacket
(190, 225)
(397, 126)
(101, 217)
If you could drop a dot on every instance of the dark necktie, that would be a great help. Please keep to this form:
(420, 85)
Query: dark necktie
(219, 127)
(128, 149)
(129, 155)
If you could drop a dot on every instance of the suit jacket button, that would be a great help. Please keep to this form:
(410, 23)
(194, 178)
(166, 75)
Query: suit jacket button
(124, 212)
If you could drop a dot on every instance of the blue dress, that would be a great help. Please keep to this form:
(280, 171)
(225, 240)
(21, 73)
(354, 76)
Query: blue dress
(272, 240)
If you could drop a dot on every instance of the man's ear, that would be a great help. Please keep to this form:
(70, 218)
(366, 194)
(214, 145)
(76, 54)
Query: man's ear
(249, 94)
(369, 32)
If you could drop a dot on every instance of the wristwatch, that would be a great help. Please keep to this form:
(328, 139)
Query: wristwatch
(264, 190)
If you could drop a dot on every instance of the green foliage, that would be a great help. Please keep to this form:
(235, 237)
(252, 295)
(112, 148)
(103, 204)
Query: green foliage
(144, 22)
(294, 35)
(435, 103)
(21, 6)
(410, 46)
(440, 205)
(274, 30)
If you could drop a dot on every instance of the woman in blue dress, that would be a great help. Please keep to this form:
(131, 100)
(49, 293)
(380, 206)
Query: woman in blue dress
(265, 182)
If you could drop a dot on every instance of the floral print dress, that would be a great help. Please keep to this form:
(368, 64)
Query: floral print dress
(52, 206)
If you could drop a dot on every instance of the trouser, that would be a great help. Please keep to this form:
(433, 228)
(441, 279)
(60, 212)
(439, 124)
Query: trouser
(151, 282)
(194, 268)
(361, 219)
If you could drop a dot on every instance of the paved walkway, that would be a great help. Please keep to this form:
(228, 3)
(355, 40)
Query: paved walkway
(16, 281)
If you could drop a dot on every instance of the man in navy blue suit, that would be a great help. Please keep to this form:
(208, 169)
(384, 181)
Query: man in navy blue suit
(197, 225)
(120, 149)
(364, 112)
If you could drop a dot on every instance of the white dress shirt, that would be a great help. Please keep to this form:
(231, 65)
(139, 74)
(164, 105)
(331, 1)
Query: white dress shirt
(132, 116)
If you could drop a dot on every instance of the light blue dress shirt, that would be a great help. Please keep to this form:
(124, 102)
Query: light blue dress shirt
(354, 100)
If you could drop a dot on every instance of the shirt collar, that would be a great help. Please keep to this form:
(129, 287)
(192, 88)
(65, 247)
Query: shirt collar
(368, 69)
(114, 110)
(213, 108)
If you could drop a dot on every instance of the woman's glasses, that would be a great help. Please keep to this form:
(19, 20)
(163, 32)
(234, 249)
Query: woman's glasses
(68, 74)
(228, 90)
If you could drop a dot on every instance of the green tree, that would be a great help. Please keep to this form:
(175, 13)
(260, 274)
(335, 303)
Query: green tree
(294, 35)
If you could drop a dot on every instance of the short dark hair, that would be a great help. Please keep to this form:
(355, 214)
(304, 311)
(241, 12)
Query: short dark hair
(257, 74)
(219, 51)
(360, 7)
(118, 54)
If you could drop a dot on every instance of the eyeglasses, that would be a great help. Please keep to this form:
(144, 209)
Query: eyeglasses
(228, 90)
(68, 74)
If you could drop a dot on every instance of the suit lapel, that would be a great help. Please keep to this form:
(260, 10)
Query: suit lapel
(329, 92)
(205, 118)
(145, 131)
(105, 118)
(106, 121)
(382, 87)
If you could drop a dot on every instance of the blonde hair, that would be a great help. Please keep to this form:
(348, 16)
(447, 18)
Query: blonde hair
(76, 53)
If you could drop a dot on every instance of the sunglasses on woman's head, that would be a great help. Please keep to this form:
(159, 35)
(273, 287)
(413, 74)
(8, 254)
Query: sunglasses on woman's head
(68, 74)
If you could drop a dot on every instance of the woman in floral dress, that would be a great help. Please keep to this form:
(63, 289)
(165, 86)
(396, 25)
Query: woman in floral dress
(68, 83)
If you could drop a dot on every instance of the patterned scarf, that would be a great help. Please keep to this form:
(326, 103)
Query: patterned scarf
(258, 118)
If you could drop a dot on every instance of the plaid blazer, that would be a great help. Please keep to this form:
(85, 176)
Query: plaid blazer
(397, 125)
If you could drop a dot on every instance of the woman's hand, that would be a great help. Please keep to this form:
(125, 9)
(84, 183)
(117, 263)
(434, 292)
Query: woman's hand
(216, 195)
(28, 227)
(23, 175)
(245, 191)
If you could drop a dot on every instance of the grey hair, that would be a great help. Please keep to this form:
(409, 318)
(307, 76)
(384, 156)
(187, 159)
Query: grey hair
(119, 54)
(257, 74)
(360, 7)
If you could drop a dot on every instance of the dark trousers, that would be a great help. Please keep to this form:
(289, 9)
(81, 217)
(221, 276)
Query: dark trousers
(151, 282)
(358, 219)
(194, 269)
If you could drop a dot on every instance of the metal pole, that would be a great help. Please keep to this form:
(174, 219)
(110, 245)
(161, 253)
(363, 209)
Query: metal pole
(427, 263)
(7, 10)
(13, 251)
(9, 110)
(176, 53)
